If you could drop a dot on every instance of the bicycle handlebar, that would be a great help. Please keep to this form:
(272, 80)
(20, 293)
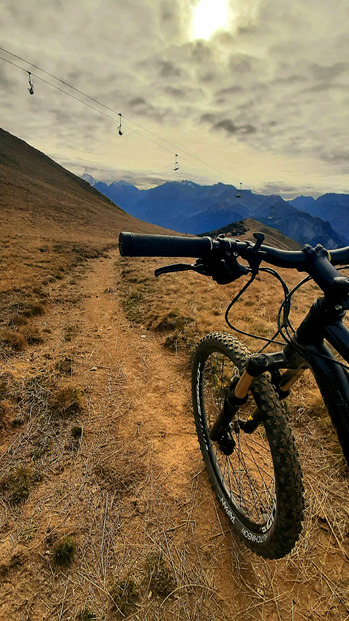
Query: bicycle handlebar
(137, 245)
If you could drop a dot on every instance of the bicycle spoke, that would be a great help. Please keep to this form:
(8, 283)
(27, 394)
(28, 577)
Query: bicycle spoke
(254, 492)
(247, 474)
(261, 470)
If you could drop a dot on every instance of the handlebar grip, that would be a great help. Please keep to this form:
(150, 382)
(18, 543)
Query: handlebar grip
(136, 245)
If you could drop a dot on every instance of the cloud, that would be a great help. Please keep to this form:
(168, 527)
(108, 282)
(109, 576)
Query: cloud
(177, 93)
(329, 73)
(6, 81)
(275, 82)
(288, 191)
(167, 68)
(231, 128)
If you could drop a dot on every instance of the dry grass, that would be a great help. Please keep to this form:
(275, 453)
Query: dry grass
(111, 473)
(319, 564)
(107, 475)
(88, 477)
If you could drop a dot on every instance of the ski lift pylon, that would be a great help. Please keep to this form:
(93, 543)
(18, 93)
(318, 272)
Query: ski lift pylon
(176, 165)
(238, 193)
(119, 128)
(31, 86)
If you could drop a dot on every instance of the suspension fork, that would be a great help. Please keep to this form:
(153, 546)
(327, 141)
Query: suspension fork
(260, 363)
(257, 364)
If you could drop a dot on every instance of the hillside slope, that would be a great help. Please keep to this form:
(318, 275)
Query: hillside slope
(37, 194)
(245, 228)
(50, 218)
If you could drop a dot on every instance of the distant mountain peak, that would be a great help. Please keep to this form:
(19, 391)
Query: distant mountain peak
(123, 184)
(89, 179)
(187, 207)
(189, 184)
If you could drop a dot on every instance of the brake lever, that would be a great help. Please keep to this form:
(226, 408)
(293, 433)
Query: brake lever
(220, 271)
(177, 267)
(223, 271)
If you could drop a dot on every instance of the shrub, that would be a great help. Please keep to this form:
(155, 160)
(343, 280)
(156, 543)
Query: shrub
(15, 340)
(87, 615)
(63, 552)
(34, 309)
(33, 336)
(124, 594)
(17, 319)
(76, 432)
(67, 402)
(161, 579)
(64, 366)
(16, 483)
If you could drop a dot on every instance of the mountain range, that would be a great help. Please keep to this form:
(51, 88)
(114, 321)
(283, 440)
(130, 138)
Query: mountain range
(331, 207)
(188, 207)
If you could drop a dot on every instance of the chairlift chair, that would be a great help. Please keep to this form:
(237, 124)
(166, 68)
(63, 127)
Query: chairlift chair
(31, 86)
(119, 128)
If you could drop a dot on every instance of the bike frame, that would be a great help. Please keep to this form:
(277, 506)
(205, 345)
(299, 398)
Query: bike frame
(307, 348)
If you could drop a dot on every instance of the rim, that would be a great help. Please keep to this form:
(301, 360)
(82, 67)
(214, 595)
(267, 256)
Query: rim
(247, 475)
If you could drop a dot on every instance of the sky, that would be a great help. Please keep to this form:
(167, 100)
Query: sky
(244, 91)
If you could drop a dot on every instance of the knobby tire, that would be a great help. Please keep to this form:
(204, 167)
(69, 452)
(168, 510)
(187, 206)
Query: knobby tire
(259, 486)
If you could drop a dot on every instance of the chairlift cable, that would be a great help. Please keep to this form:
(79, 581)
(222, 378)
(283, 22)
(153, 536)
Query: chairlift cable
(84, 103)
(111, 110)
(108, 116)
(107, 108)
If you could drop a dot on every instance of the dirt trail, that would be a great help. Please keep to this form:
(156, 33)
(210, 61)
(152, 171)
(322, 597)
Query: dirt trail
(141, 400)
(157, 382)
(155, 422)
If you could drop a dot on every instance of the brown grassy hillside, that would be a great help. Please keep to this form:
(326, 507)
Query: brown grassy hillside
(245, 229)
(50, 221)
(106, 512)
(40, 197)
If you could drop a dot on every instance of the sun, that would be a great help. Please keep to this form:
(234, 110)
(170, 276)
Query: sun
(209, 16)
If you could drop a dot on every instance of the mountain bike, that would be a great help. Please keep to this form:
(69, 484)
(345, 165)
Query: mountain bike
(243, 429)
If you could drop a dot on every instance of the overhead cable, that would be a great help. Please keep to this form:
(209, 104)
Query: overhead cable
(99, 103)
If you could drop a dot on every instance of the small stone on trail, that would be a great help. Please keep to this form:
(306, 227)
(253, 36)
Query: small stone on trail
(143, 336)
(93, 369)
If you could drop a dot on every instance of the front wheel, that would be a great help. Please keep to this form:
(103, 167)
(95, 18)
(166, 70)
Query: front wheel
(254, 470)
